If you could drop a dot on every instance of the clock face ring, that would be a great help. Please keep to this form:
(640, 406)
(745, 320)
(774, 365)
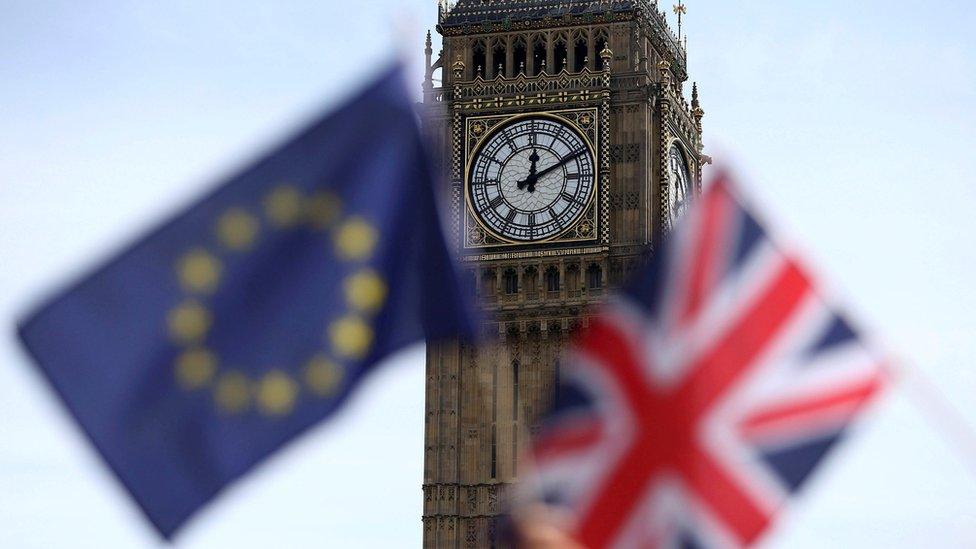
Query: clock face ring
(680, 190)
(531, 179)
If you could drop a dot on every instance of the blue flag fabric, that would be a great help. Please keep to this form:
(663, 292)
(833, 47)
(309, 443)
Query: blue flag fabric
(245, 320)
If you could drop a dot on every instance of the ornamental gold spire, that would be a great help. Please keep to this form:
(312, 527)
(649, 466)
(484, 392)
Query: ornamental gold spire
(680, 9)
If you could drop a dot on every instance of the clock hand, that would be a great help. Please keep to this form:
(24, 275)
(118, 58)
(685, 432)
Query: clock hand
(534, 177)
(533, 159)
(559, 164)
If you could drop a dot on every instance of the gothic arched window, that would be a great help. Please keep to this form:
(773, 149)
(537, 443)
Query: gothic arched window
(594, 277)
(601, 44)
(560, 53)
(479, 58)
(488, 282)
(510, 279)
(519, 56)
(498, 54)
(580, 47)
(530, 281)
(538, 54)
(552, 279)
(573, 280)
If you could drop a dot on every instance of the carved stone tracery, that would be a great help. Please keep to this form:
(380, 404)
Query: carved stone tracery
(631, 107)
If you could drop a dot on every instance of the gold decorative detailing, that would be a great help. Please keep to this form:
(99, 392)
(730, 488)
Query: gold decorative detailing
(523, 90)
(233, 393)
(509, 256)
(356, 239)
(664, 68)
(323, 376)
(365, 291)
(195, 368)
(476, 236)
(199, 271)
(324, 209)
(585, 229)
(284, 206)
(585, 120)
(472, 231)
(478, 129)
(458, 68)
(189, 322)
(351, 337)
(236, 229)
(680, 9)
(276, 393)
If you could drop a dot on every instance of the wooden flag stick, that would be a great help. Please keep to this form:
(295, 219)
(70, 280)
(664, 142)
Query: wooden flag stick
(939, 411)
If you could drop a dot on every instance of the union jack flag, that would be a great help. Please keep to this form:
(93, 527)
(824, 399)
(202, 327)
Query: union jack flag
(701, 399)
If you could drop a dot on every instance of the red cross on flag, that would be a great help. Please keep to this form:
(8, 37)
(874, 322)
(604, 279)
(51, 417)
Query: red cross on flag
(698, 401)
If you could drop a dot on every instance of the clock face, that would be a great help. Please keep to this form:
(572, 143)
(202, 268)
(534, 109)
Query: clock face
(531, 179)
(679, 184)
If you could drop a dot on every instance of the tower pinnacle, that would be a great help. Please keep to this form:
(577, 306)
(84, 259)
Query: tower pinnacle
(680, 9)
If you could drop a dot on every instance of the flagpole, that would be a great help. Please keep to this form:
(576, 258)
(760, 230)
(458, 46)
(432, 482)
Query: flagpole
(938, 410)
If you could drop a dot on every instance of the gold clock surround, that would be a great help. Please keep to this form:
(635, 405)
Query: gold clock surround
(478, 129)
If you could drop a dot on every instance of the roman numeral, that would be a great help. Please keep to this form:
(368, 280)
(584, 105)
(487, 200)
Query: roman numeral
(531, 219)
(509, 140)
(567, 197)
(509, 218)
(573, 176)
(497, 201)
(555, 218)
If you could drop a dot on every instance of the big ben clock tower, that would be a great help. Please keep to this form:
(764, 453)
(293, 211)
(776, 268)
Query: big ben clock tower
(568, 144)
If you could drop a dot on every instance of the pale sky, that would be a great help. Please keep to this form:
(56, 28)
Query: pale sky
(852, 124)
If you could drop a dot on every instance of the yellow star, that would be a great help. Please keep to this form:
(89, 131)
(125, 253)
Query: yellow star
(233, 393)
(351, 337)
(189, 322)
(323, 210)
(195, 368)
(199, 271)
(356, 239)
(322, 376)
(276, 393)
(365, 291)
(236, 229)
(284, 206)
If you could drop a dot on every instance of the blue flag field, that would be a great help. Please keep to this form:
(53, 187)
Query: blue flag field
(253, 315)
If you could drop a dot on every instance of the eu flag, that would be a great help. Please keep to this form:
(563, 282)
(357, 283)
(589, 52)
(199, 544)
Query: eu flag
(241, 322)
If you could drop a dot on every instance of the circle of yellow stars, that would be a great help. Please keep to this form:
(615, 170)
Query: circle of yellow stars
(347, 338)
